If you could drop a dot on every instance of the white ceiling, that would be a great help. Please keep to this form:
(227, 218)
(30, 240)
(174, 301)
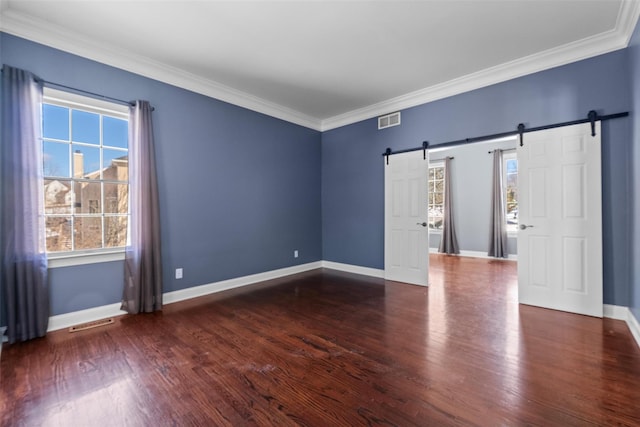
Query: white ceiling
(324, 64)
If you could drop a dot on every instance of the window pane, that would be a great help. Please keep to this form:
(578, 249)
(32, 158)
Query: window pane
(116, 198)
(439, 186)
(440, 173)
(115, 165)
(115, 231)
(88, 233)
(55, 122)
(58, 234)
(56, 159)
(511, 193)
(86, 127)
(438, 198)
(86, 161)
(115, 132)
(57, 196)
(88, 198)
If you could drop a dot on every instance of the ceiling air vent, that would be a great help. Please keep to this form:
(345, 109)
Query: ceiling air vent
(389, 120)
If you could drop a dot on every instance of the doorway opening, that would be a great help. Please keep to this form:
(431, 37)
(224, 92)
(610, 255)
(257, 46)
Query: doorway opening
(556, 206)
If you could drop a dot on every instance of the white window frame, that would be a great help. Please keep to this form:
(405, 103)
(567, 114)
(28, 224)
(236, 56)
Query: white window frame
(512, 155)
(436, 164)
(72, 100)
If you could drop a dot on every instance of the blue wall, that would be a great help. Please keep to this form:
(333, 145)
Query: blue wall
(353, 169)
(634, 72)
(239, 190)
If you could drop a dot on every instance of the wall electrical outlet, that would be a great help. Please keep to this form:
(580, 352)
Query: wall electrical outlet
(295, 253)
(178, 273)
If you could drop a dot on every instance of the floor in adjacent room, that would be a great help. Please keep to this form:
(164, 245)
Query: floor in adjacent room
(328, 348)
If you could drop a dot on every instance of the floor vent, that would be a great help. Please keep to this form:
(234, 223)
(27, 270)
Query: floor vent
(389, 120)
(89, 325)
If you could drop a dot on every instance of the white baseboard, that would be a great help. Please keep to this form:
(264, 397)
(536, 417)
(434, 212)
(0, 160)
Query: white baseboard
(198, 291)
(634, 326)
(477, 254)
(623, 313)
(617, 312)
(349, 268)
(67, 320)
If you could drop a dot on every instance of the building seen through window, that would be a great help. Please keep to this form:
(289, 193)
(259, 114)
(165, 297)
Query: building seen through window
(510, 168)
(436, 196)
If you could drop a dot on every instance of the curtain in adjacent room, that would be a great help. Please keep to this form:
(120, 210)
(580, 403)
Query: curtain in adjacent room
(22, 231)
(498, 242)
(143, 258)
(448, 241)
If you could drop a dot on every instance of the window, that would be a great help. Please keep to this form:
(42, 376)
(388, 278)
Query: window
(86, 173)
(510, 170)
(436, 195)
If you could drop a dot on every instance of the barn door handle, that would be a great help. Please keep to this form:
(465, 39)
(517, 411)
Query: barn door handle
(525, 226)
(424, 224)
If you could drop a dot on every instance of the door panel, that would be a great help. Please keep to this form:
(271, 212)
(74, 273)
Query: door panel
(560, 252)
(538, 261)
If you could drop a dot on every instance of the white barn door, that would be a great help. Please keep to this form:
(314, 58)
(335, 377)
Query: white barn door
(406, 239)
(560, 217)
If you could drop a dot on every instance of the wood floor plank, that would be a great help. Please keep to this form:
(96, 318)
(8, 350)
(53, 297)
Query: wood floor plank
(332, 348)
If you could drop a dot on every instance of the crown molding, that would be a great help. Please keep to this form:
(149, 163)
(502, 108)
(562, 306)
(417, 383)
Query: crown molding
(609, 41)
(59, 38)
(628, 19)
(56, 37)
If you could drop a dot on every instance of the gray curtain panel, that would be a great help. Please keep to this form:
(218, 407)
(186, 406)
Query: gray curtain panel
(143, 258)
(449, 241)
(22, 231)
(498, 241)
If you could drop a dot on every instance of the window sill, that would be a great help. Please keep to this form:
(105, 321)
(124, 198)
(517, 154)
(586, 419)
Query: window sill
(69, 260)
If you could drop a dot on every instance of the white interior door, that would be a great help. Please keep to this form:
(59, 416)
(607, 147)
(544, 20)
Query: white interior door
(560, 204)
(406, 240)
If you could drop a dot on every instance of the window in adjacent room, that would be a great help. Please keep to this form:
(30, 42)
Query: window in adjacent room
(510, 170)
(436, 195)
(86, 173)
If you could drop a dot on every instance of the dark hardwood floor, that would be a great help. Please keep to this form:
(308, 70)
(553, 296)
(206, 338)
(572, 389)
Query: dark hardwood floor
(326, 348)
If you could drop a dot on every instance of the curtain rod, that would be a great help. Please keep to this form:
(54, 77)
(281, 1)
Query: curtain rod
(444, 158)
(97, 95)
(86, 92)
(501, 149)
(592, 117)
(74, 89)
